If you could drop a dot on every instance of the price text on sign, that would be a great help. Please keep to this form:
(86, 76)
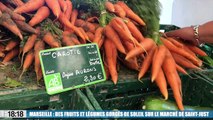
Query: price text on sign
(69, 68)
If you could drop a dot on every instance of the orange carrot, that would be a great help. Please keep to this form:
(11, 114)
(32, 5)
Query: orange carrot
(101, 42)
(106, 69)
(121, 28)
(169, 68)
(79, 23)
(29, 44)
(179, 82)
(180, 69)
(39, 45)
(96, 25)
(197, 50)
(17, 2)
(54, 6)
(68, 12)
(13, 15)
(199, 62)
(84, 33)
(147, 44)
(161, 83)
(50, 40)
(135, 31)
(111, 58)
(66, 39)
(175, 42)
(98, 34)
(63, 5)
(29, 6)
(189, 50)
(42, 13)
(7, 22)
(131, 64)
(109, 6)
(10, 55)
(146, 63)
(63, 19)
(24, 26)
(130, 13)
(74, 16)
(91, 36)
(89, 27)
(112, 35)
(184, 61)
(11, 44)
(74, 38)
(180, 51)
(2, 54)
(127, 45)
(119, 11)
(123, 31)
(158, 61)
(27, 63)
(177, 76)
(153, 59)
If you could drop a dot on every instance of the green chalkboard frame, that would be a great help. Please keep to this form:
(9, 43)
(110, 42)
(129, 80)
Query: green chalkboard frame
(58, 85)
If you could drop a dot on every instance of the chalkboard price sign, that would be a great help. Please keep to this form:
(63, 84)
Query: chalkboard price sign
(73, 67)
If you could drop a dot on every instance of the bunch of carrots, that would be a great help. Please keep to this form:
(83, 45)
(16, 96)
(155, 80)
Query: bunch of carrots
(56, 23)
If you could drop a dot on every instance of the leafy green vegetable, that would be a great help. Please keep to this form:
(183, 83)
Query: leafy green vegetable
(157, 103)
(53, 27)
(95, 7)
(12, 83)
(207, 59)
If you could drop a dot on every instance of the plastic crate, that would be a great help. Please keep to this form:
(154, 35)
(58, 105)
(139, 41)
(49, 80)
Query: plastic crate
(80, 101)
(126, 94)
(198, 88)
(35, 99)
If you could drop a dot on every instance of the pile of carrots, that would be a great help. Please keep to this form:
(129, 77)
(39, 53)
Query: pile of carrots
(119, 39)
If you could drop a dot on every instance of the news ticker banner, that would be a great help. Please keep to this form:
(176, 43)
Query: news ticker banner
(103, 114)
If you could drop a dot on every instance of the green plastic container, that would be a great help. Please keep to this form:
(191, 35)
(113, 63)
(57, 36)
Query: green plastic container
(167, 27)
(198, 88)
(35, 99)
(130, 95)
(126, 94)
